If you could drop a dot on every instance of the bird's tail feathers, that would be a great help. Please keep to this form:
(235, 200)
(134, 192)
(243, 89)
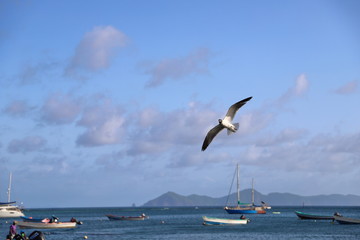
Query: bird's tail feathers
(236, 128)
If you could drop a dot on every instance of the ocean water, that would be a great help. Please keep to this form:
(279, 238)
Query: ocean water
(186, 223)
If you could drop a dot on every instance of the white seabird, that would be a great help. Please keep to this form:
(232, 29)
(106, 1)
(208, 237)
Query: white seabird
(225, 123)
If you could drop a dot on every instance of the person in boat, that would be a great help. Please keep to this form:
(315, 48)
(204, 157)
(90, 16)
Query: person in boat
(12, 231)
(75, 220)
(54, 219)
(21, 236)
(337, 214)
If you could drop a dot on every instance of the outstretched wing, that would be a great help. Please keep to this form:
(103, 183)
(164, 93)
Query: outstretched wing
(210, 135)
(233, 109)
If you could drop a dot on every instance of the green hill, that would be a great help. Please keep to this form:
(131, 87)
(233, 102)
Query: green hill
(171, 199)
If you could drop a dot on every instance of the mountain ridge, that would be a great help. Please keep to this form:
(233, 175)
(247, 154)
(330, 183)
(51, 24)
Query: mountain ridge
(172, 199)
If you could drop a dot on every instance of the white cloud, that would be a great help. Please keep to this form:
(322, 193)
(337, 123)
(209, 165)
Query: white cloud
(108, 132)
(185, 129)
(104, 125)
(177, 68)
(96, 50)
(301, 86)
(299, 89)
(162, 131)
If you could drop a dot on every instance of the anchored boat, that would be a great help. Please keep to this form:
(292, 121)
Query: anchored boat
(43, 225)
(10, 209)
(344, 220)
(303, 215)
(130, 218)
(223, 221)
(244, 208)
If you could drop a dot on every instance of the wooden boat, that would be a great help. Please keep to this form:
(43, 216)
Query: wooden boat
(42, 225)
(343, 220)
(310, 216)
(223, 221)
(128, 218)
(246, 208)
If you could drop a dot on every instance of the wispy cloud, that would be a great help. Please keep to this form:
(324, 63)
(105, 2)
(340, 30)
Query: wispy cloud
(177, 68)
(17, 108)
(27, 144)
(321, 153)
(96, 50)
(35, 72)
(60, 109)
(285, 136)
(348, 88)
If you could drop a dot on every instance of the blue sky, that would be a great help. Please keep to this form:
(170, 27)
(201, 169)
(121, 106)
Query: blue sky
(107, 103)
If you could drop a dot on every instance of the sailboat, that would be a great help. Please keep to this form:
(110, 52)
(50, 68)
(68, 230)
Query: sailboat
(9, 209)
(243, 208)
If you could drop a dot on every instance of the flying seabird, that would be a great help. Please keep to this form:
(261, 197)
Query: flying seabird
(225, 123)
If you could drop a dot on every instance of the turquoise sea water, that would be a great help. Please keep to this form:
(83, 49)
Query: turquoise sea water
(186, 223)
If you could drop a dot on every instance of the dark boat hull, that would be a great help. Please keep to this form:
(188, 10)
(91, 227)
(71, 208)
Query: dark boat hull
(308, 216)
(126, 218)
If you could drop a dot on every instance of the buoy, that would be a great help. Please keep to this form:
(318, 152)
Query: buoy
(85, 237)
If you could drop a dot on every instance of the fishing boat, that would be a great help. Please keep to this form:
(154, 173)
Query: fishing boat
(9, 209)
(129, 218)
(223, 221)
(344, 220)
(244, 208)
(43, 225)
(310, 216)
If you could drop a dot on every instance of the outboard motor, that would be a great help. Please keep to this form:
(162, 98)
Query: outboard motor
(36, 235)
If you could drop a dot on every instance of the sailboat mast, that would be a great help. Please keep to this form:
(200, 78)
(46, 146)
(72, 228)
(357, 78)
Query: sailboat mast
(252, 192)
(238, 185)
(9, 187)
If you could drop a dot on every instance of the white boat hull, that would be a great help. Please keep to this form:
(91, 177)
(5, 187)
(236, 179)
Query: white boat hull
(223, 221)
(10, 211)
(41, 225)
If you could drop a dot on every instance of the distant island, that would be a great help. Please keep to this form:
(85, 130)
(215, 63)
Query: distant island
(171, 199)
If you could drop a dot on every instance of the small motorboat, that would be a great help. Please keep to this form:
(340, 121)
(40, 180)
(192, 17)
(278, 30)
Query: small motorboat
(309, 216)
(49, 225)
(128, 218)
(224, 221)
(344, 220)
